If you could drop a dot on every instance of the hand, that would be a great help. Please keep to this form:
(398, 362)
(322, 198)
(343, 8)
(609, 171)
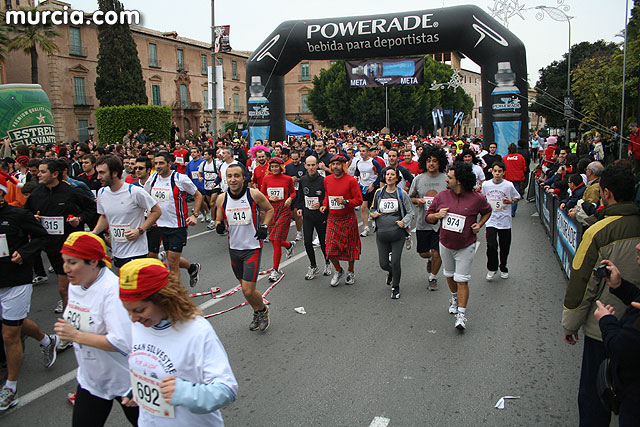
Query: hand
(323, 209)
(261, 233)
(322, 166)
(571, 339)
(420, 201)
(635, 305)
(400, 224)
(614, 279)
(562, 205)
(442, 213)
(507, 201)
(65, 331)
(475, 227)
(131, 234)
(315, 205)
(603, 310)
(37, 216)
(200, 178)
(128, 402)
(16, 257)
(370, 188)
(287, 202)
(299, 211)
(220, 227)
(192, 220)
(273, 198)
(167, 387)
(73, 221)
(374, 214)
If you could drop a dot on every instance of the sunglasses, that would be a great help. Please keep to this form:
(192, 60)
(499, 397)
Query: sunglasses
(138, 168)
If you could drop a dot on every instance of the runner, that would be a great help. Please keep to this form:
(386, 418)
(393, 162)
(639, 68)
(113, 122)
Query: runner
(227, 160)
(240, 207)
(122, 209)
(367, 171)
(469, 157)
(392, 212)
(180, 155)
(342, 196)
(458, 208)
(500, 193)
(176, 355)
(21, 238)
(207, 174)
(433, 161)
(260, 166)
(169, 189)
(89, 175)
(193, 172)
(408, 162)
(98, 325)
(309, 198)
(515, 172)
(278, 188)
(296, 170)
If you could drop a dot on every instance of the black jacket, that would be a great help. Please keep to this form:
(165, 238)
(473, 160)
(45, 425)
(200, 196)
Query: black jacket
(26, 236)
(310, 187)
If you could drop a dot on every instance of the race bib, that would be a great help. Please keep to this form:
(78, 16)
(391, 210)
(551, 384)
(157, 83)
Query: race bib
(180, 160)
(296, 185)
(427, 202)
(53, 224)
(388, 205)
(4, 246)
(117, 232)
(146, 393)
(239, 216)
(276, 191)
(497, 204)
(210, 176)
(308, 201)
(453, 222)
(162, 195)
(77, 316)
(194, 175)
(365, 176)
(334, 204)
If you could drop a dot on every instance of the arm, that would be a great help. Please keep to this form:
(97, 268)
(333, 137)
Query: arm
(619, 339)
(68, 333)
(36, 232)
(219, 211)
(408, 206)
(101, 225)
(153, 216)
(356, 192)
(201, 398)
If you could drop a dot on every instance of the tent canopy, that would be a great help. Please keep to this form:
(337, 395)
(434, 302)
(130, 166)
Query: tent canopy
(292, 129)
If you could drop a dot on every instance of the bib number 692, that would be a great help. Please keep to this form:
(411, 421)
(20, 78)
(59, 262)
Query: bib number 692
(148, 394)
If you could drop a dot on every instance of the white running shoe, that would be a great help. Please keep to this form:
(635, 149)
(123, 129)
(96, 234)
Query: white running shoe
(162, 256)
(39, 279)
(504, 274)
(312, 273)
(49, 351)
(59, 308)
(335, 280)
(274, 276)
(461, 321)
(327, 269)
(351, 278)
(491, 275)
(453, 305)
(408, 243)
(316, 242)
(207, 216)
(212, 225)
(298, 236)
(365, 232)
(290, 248)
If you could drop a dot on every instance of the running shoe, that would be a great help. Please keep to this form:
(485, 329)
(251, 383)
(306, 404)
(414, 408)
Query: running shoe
(316, 242)
(311, 273)
(389, 278)
(59, 308)
(351, 278)
(71, 398)
(408, 243)
(39, 279)
(51, 270)
(365, 232)
(327, 269)
(8, 398)
(504, 274)
(254, 325)
(429, 266)
(395, 293)
(162, 256)
(212, 225)
(433, 285)
(194, 275)
(49, 351)
(461, 321)
(298, 236)
(207, 216)
(275, 275)
(337, 276)
(491, 275)
(453, 305)
(292, 244)
(63, 345)
(263, 319)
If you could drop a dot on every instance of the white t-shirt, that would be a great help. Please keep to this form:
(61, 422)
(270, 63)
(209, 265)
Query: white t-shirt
(223, 175)
(174, 206)
(98, 310)
(124, 210)
(367, 172)
(494, 193)
(477, 170)
(190, 351)
(209, 173)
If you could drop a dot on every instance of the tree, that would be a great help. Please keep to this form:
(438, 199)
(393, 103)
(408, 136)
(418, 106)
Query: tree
(633, 29)
(119, 80)
(335, 105)
(28, 38)
(4, 38)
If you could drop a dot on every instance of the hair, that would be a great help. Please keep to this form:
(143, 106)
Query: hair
(296, 152)
(387, 144)
(174, 301)
(595, 168)
(145, 160)
(100, 263)
(575, 179)
(500, 164)
(114, 164)
(83, 147)
(53, 166)
(197, 148)
(512, 148)
(619, 180)
(165, 155)
(394, 149)
(464, 174)
(390, 168)
(63, 163)
(211, 152)
(89, 157)
(433, 151)
(237, 165)
(28, 187)
(492, 143)
(466, 152)
(34, 162)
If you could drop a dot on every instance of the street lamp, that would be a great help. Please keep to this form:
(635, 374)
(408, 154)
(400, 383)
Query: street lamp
(90, 130)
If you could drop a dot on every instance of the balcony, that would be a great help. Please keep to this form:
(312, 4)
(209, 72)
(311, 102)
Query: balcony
(182, 67)
(83, 101)
(155, 63)
(177, 105)
(75, 50)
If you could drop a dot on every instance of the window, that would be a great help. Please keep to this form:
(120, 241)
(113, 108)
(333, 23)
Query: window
(304, 71)
(180, 58)
(203, 58)
(76, 41)
(234, 70)
(236, 103)
(206, 100)
(83, 130)
(155, 91)
(183, 96)
(80, 95)
(153, 55)
(305, 107)
(7, 5)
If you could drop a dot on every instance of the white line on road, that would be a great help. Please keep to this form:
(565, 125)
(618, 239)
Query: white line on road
(48, 387)
(379, 422)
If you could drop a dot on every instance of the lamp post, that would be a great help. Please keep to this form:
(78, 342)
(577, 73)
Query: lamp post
(624, 77)
(214, 119)
(90, 130)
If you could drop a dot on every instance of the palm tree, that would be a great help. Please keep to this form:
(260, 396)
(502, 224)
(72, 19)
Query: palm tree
(4, 38)
(29, 38)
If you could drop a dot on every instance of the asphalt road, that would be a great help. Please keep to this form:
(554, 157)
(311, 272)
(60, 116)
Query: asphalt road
(358, 358)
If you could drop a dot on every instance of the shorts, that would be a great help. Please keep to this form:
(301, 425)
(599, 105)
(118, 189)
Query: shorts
(427, 240)
(55, 259)
(173, 239)
(15, 303)
(457, 263)
(119, 262)
(153, 240)
(368, 197)
(211, 192)
(246, 263)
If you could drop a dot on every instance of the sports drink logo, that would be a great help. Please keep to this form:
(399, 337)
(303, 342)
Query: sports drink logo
(260, 111)
(508, 103)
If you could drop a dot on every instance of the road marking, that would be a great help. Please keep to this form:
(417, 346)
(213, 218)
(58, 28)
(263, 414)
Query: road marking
(48, 387)
(379, 422)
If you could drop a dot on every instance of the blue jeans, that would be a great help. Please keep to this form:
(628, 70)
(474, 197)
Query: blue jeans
(592, 413)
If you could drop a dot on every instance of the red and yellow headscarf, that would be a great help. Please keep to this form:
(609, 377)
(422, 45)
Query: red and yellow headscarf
(141, 278)
(83, 245)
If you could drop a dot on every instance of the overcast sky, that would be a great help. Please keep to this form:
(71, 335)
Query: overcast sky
(252, 21)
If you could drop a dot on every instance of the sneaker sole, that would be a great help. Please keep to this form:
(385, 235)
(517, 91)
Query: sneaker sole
(55, 352)
(460, 327)
(11, 405)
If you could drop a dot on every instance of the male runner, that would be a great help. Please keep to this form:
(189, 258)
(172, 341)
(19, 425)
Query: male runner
(180, 155)
(192, 171)
(367, 171)
(207, 174)
(296, 170)
(260, 168)
(342, 195)
(240, 206)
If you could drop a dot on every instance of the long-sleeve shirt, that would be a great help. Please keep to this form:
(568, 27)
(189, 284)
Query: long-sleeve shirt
(280, 185)
(346, 187)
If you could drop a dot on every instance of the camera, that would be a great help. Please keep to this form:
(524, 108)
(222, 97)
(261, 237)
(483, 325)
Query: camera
(601, 272)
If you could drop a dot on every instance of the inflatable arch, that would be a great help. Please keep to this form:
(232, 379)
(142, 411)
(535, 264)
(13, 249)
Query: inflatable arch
(468, 29)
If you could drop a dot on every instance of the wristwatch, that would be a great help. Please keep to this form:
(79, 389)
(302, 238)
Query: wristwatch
(140, 230)
(345, 202)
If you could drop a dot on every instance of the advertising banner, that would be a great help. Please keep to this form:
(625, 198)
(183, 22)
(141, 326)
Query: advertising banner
(568, 235)
(25, 115)
(387, 72)
(222, 39)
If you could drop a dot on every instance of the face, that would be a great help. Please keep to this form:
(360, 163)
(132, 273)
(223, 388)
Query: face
(144, 312)
(393, 157)
(497, 173)
(261, 157)
(364, 153)
(336, 168)
(452, 182)
(178, 146)
(33, 170)
(161, 165)
(87, 166)
(105, 178)
(332, 151)
(492, 149)
(140, 170)
(391, 177)
(275, 168)
(45, 177)
(468, 158)
(195, 155)
(79, 272)
(227, 156)
(638, 253)
(319, 146)
(433, 165)
(278, 151)
(408, 156)
(311, 165)
(207, 156)
(235, 178)
(562, 156)
(50, 155)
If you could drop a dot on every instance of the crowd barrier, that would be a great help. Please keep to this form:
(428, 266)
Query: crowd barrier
(564, 232)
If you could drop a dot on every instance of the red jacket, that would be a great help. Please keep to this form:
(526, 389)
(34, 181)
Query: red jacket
(634, 145)
(516, 167)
